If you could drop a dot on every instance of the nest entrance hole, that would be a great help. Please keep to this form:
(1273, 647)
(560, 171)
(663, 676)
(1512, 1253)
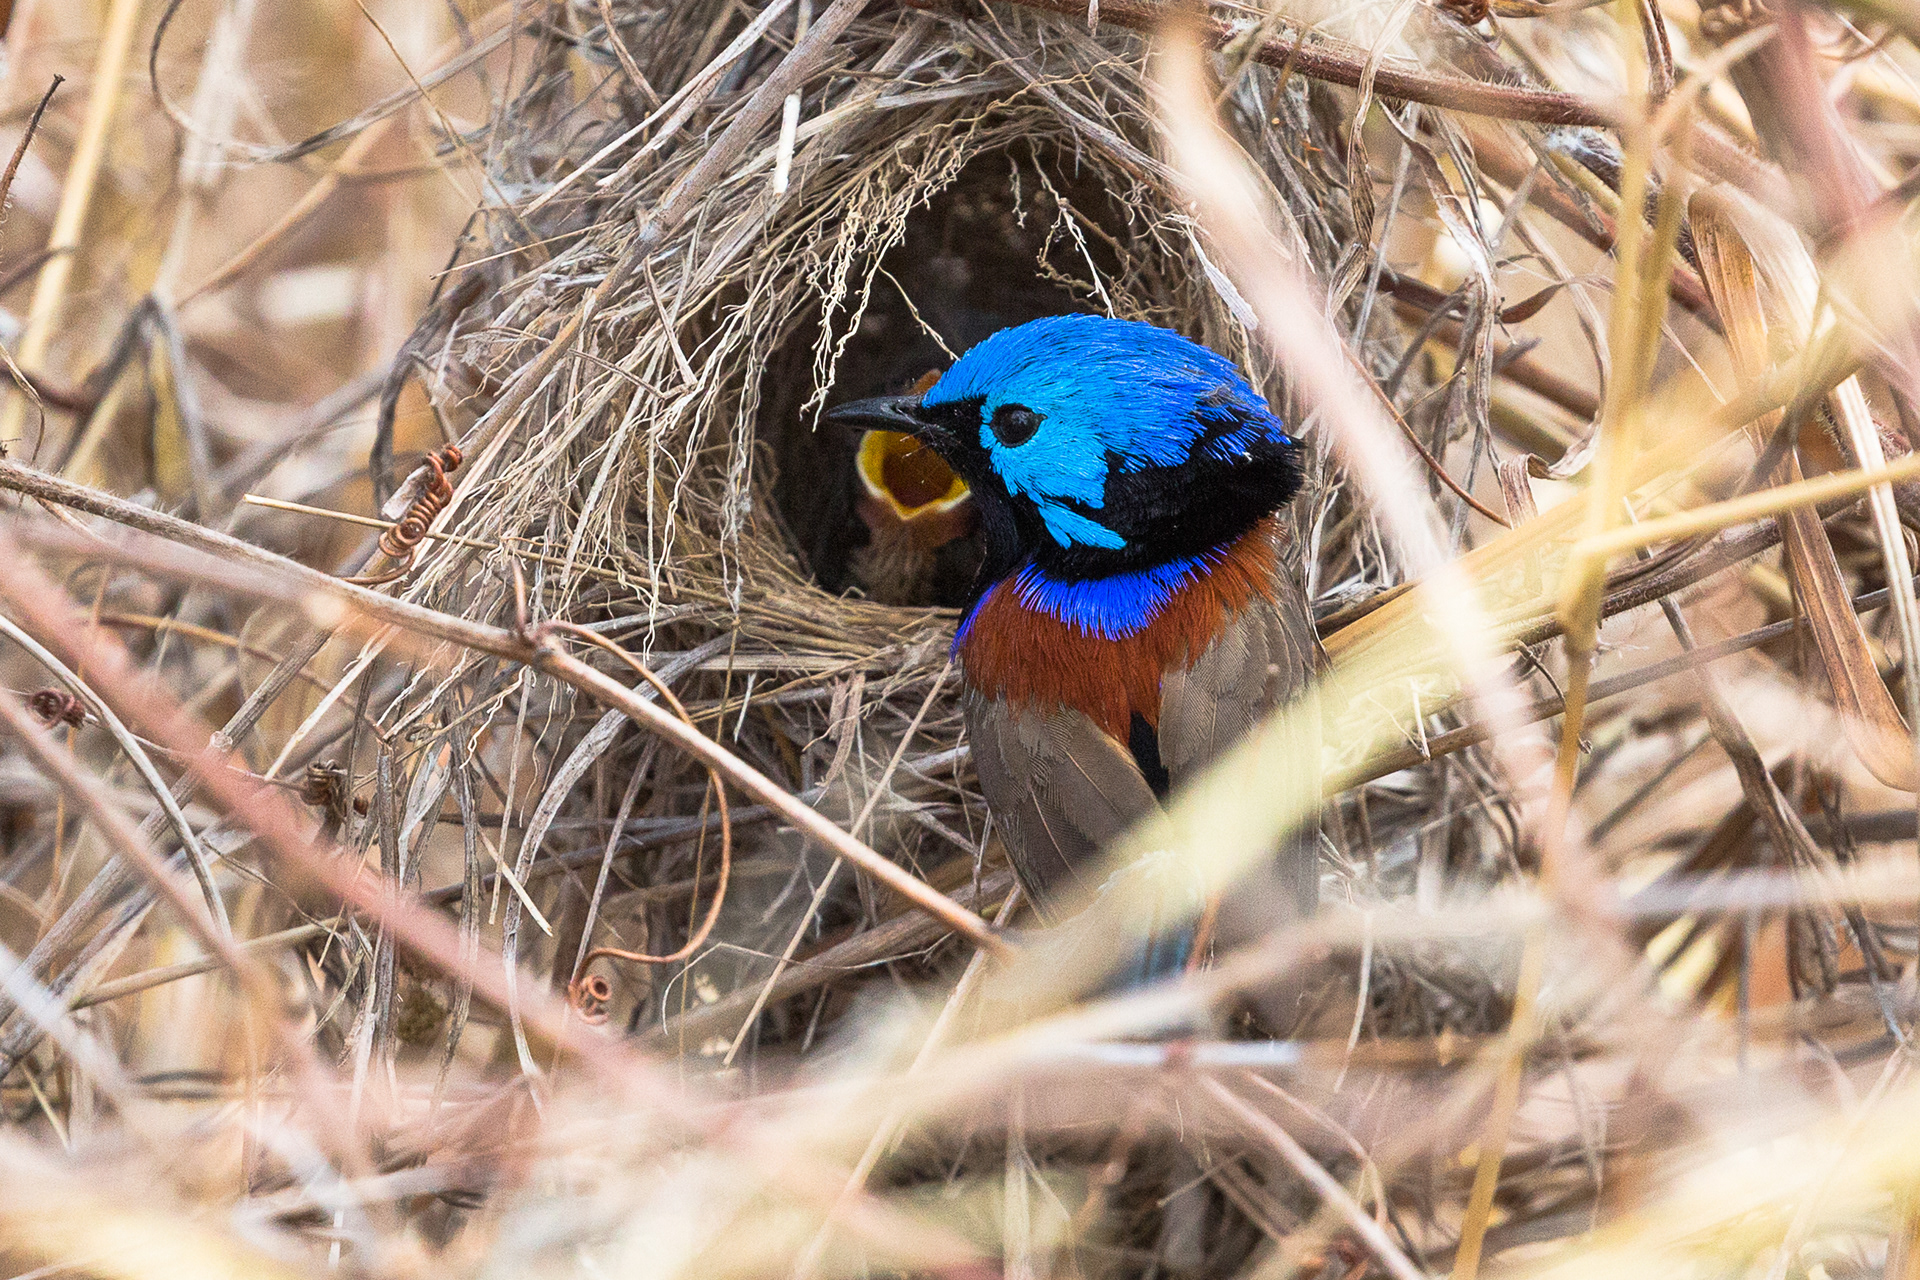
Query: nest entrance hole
(990, 250)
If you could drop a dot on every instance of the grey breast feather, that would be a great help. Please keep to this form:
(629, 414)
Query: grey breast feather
(1061, 789)
(1262, 660)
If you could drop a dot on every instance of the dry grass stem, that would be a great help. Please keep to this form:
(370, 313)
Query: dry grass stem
(480, 792)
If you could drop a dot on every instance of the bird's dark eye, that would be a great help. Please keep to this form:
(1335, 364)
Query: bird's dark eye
(1015, 424)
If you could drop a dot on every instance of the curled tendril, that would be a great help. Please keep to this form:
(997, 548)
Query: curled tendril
(57, 706)
(400, 541)
(322, 785)
(588, 994)
(581, 991)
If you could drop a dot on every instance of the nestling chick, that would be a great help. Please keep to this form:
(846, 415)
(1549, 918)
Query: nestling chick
(912, 505)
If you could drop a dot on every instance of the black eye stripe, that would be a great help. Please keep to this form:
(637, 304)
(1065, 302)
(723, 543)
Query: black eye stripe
(1014, 424)
(955, 415)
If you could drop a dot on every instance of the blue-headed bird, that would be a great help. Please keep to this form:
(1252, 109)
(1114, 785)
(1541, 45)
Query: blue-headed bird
(1135, 616)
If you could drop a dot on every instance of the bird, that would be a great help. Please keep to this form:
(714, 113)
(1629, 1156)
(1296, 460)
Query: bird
(913, 507)
(1135, 614)
(915, 510)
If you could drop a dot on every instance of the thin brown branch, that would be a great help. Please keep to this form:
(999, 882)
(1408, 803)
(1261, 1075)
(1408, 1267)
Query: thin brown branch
(1509, 167)
(1301, 1161)
(901, 936)
(1411, 755)
(147, 980)
(126, 838)
(625, 55)
(1437, 467)
(143, 765)
(699, 936)
(809, 821)
(619, 1072)
(543, 652)
(1417, 300)
(1337, 62)
(122, 835)
(26, 140)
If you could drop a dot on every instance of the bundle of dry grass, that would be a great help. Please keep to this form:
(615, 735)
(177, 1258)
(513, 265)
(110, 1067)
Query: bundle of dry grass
(595, 881)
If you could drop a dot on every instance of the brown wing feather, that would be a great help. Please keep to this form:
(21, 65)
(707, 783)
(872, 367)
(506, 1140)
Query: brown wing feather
(1060, 789)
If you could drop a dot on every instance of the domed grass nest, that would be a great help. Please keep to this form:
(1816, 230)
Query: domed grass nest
(947, 175)
(686, 271)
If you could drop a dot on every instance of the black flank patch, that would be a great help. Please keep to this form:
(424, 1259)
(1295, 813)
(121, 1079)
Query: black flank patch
(1144, 743)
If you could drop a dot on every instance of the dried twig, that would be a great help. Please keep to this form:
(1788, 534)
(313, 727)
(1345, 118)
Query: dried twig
(1338, 63)
(537, 650)
(136, 755)
(76, 197)
(1389, 1254)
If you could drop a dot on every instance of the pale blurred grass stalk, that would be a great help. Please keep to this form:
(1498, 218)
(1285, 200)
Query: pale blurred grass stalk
(76, 197)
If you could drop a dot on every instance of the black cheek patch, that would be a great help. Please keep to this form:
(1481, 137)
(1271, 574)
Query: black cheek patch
(1171, 512)
(960, 419)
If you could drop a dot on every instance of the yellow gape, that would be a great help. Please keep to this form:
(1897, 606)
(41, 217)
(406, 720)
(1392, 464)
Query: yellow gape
(911, 482)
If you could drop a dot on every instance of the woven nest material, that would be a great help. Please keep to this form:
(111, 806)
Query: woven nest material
(658, 332)
(653, 437)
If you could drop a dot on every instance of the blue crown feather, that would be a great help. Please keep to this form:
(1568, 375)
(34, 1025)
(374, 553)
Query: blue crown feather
(1115, 395)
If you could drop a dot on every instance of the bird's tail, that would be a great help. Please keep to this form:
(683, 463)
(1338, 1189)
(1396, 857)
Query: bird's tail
(1163, 953)
(1168, 902)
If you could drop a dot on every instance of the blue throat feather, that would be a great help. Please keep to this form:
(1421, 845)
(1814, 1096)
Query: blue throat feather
(1111, 608)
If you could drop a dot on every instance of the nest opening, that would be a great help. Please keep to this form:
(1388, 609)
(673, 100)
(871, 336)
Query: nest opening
(986, 252)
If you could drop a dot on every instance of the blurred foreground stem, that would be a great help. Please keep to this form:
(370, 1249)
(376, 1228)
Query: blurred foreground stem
(1506, 1100)
(1641, 268)
(76, 195)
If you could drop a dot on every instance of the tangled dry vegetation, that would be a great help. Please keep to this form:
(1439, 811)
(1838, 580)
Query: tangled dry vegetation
(469, 804)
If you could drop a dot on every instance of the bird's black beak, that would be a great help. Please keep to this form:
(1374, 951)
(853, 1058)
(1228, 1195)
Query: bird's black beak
(882, 413)
(905, 415)
(893, 413)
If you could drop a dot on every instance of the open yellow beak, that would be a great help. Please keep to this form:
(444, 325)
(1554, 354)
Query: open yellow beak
(904, 483)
